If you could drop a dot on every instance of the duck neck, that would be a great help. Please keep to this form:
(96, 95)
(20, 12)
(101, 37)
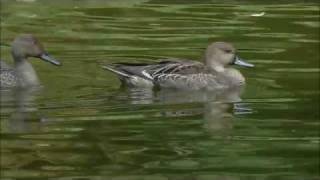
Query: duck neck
(25, 72)
(216, 67)
(219, 69)
(213, 65)
(234, 76)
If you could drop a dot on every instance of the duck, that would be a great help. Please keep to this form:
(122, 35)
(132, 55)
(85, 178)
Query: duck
(214, 73)
(22, 74)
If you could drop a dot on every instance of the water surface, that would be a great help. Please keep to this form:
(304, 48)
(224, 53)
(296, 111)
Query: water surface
(81, 125)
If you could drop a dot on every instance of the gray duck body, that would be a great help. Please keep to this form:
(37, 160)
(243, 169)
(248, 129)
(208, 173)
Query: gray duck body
(185, 74)
(8, 77)
(23, 74)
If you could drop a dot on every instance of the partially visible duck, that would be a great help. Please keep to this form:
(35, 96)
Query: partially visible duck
(22, 74)
(214, 73)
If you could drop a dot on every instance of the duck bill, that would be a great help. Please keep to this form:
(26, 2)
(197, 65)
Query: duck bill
(50, 59)
(241, 62)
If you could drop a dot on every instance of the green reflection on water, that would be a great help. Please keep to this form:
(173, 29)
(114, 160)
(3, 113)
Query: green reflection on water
(82, 125)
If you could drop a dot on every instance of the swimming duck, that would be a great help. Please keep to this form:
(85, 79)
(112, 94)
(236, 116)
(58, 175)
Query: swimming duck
(22, 74)
(214, 73)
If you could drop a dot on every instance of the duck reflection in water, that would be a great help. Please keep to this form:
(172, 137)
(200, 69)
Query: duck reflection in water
(18, 108)
(217, 108)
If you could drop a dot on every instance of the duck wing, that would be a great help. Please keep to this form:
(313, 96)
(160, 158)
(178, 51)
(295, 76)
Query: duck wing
(152, 71)
(172, 73)
(128, 70)
(183, 74)
(177, 67)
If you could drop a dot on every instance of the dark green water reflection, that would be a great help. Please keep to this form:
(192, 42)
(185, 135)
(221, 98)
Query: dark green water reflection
(81, 125)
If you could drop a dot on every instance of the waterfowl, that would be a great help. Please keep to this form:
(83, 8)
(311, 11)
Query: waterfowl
(23, 74)
(214, 73)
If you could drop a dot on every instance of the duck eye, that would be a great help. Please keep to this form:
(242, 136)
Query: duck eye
(227, 50)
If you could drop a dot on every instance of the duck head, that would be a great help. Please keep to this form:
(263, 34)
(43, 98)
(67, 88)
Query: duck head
(218, 55)
(27, 45)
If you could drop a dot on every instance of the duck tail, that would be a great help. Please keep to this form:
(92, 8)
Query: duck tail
(115, 70)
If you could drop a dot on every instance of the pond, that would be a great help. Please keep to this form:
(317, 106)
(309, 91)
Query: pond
(83, 125)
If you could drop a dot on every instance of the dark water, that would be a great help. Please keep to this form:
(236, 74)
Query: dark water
(82, 126)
